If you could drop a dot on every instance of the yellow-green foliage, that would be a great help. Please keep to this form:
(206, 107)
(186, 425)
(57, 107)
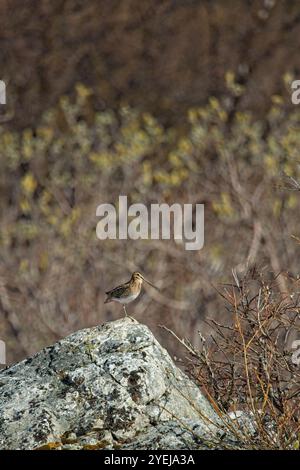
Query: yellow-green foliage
(42, 168)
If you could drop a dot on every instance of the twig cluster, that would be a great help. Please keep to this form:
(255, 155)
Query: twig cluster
(247, 367)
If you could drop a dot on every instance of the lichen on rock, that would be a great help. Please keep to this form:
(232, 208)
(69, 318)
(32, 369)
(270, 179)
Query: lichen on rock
(110, 386)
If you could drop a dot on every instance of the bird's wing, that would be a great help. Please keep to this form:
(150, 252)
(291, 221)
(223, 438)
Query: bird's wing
(117, 291)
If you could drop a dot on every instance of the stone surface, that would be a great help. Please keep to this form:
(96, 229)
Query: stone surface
(107, 387)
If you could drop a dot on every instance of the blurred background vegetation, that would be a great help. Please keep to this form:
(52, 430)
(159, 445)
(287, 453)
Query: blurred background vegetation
(163, 101)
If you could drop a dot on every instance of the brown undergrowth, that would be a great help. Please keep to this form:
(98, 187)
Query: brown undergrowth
(246, 368)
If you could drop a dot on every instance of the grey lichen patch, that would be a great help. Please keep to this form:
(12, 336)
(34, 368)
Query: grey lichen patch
(105, 387)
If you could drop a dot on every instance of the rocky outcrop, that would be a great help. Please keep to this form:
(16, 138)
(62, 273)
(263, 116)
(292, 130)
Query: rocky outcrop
(107, 387)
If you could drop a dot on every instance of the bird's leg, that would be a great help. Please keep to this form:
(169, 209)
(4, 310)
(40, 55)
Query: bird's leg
(126, 315)
(124, 308)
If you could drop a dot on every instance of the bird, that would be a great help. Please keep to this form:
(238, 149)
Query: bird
(127, 292)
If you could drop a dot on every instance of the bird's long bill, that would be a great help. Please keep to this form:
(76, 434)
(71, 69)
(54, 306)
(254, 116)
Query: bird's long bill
(148, 282)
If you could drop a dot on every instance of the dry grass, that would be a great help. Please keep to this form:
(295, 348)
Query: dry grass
(246, 367)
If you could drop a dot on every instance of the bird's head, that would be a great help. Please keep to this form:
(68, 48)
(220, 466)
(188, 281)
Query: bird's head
(136, 276)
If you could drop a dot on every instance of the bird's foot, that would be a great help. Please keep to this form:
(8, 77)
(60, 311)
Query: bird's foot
(126, 314)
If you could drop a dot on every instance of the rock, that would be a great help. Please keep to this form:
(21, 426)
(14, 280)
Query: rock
(243, 422)
(247, 426)
(111, 386)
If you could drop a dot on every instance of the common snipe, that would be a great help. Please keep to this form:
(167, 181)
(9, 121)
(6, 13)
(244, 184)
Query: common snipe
(127, 292)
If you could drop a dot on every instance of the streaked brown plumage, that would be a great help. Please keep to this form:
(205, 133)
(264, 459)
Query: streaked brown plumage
(127, 292)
